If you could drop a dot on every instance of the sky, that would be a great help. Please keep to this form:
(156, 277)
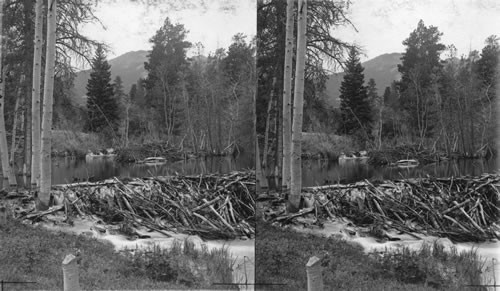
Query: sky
(383, 24)
(128, 25)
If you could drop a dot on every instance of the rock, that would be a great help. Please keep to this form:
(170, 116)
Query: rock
(444, 242)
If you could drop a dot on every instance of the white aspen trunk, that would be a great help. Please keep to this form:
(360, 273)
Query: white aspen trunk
(298, 108)
(262, 184)
(46, 171)
(7, 172)
(268, 128)
(14, 126)
(127, 122)
(35, 103)
(287, 99)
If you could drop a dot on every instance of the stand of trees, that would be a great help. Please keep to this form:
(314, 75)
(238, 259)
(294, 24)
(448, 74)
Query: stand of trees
(444, 103)
(199, 103)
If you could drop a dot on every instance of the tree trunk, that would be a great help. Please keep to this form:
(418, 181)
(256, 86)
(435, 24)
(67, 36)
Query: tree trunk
(287, 99)
(268, 126)
(46, 171)
(13, 143)
(261, 180)
(35, 103)
(298, 108)
(7, 172)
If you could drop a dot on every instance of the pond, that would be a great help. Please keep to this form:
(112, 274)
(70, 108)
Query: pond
(316, 172)
(68, 170)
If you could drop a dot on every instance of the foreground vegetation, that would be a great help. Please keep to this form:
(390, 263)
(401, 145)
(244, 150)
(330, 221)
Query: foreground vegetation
(282, 255)
(39, 260)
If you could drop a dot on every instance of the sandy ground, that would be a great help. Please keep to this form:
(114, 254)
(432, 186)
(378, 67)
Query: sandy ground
(489, 251)
(243, 251)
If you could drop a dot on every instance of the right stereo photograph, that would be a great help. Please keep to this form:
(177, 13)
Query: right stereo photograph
(377, 143)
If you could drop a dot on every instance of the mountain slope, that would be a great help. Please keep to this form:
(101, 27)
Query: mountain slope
(383, 69)
(129, 66)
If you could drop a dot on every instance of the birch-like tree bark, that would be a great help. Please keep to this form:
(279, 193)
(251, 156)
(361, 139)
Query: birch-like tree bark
(13, 142)
(287, 98)
(35, 104)
(46, 171)
(298, 108)
(7, 172)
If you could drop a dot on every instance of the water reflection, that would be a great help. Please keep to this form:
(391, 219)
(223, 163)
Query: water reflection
(68, 170)
(316, 173)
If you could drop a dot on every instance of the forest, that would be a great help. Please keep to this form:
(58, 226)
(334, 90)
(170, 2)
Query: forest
(442, 103)
(188, 102)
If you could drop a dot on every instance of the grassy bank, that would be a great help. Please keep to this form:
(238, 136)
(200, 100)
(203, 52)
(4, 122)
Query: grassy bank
(281, 256)
(326, 146)
(33, 254)
(73, 143)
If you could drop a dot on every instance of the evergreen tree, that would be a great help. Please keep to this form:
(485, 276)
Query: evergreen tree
(166, 63)
(355, 103)
(387, 94)
(133, 93)
(487, 65)
(420, 70)
(373, 96)
(118, 89)
(102, 107)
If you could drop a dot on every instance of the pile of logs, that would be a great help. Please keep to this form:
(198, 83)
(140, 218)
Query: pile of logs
(463, 209)
(212, 206)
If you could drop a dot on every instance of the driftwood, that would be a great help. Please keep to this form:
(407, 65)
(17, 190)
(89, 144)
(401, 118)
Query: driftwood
(463, 209)
(212, 206)
(404, 152)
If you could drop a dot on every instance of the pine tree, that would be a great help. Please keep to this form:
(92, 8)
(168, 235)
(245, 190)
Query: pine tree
(355, 104)
(102, 107)
(166, 63)
(420, 70)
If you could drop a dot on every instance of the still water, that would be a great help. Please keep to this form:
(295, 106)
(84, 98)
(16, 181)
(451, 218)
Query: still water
(315, 173)
(68, 170)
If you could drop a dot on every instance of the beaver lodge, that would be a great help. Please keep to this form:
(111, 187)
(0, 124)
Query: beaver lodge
(211, 206)
(462, 209)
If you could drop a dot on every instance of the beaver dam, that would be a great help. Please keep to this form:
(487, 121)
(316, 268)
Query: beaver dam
(211, 206)
(462, 209)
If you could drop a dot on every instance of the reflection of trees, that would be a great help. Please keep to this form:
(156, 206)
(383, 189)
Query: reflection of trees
(314, 172)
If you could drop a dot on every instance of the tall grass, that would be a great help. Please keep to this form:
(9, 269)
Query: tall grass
(326, 146)
(67, 142)
(185, 264)
(281, 256)
(34, 254)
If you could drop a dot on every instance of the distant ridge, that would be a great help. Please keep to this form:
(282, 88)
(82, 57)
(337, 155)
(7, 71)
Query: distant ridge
(129, 66)
(383, 69)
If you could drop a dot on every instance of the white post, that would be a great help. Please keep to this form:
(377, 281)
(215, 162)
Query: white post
(70, 273)
(314, 274)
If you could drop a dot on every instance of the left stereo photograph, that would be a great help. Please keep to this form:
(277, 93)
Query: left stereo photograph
(127, 144)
